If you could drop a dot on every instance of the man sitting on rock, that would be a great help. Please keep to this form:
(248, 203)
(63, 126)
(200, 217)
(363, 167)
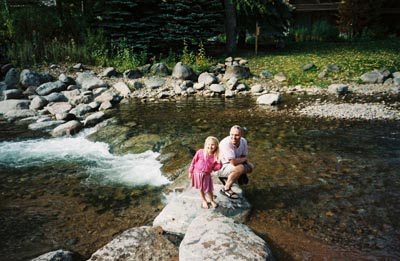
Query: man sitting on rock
(233, 154)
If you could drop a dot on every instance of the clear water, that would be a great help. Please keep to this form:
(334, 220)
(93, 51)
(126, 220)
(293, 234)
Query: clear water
(337, 181)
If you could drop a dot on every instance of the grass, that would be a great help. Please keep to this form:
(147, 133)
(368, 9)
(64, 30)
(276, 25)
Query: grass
(354, 59)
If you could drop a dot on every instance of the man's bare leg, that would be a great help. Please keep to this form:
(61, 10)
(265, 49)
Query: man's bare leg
(233, 176)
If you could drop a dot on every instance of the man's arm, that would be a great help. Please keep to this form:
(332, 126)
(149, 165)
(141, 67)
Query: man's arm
(237, 161)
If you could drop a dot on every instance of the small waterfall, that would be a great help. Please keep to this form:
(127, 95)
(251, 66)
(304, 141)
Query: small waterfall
(101, 165)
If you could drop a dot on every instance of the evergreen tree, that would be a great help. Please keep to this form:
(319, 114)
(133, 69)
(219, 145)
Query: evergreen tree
(161, 25)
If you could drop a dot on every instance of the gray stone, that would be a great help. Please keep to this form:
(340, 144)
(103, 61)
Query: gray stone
(68, 128)
(212, 236)
(122, 89)
(217, 88)
(105, 105)
(257, 88)
(88, 81)
(109, 72)
(93, 119)
(140, 243)
(238, 71)
(45, 125)
(338, 88)
(49, 87)
(207, 78)
(55, 97)
(266, 74)
(182, 71)
(322, 74)
(17, 114)
(12, 78)
(308, 66)
(154, 82)
(176, 217)
(132, 74)
(66, 79)
(269, 99)
(12, 94)
(333, 68)
(9, 105)
(58, 255)
(59, 107)
(159, 69)
(280, 77)
(28, 78)
(372, 77)
(38, 103)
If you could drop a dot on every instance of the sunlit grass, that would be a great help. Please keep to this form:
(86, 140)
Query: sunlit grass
(354, 59)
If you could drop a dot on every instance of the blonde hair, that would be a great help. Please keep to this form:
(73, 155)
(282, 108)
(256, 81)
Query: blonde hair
(214, 140)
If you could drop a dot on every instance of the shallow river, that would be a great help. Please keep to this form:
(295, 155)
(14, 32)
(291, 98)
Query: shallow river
(318, 185)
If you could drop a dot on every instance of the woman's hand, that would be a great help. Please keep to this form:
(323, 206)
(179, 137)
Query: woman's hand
(190, 175)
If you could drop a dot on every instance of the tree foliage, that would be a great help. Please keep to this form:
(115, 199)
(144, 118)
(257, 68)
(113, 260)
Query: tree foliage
(159, 25)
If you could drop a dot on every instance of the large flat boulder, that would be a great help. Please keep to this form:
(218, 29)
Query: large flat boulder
(141, 243)
(9, 105)
(213, 236)
(180, 212)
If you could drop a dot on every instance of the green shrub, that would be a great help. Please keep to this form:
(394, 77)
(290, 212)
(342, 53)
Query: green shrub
(324, 31)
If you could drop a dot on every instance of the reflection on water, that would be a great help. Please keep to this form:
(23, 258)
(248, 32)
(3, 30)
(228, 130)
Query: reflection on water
(337, 181)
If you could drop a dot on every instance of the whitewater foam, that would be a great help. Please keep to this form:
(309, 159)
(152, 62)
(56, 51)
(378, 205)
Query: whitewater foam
(102, 166)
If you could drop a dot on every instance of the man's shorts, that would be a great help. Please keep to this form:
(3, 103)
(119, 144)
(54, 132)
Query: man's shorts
(225, 170)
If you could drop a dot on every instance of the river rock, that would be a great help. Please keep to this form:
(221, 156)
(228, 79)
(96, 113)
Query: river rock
(66, 79)
(132, 74)
(257, 88)
(280, 77)
(182, 71)
(109, 72)
(217, 88)
(140, 243)
(88, 81)
(178, 214)
(49, 87)
(55, 97)
(238, 71)
(269, 99)
(159, 69)
(212, 236)
(154, 82)
(16, 114)
(9, 105)
(372, 77)
(38, 103)
(59, 107)
(12, 94)
(338, 88)
(45, 125)
(68, 128)
(93, 119)
(122, 89)
(207, 78)
(12, 78)
(266, 74)
(28, 78)
(58, 255)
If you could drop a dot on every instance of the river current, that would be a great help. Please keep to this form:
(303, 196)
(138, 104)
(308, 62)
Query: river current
(336, 182)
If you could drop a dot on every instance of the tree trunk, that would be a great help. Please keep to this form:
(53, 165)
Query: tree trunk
(242, 39)
(230, 26)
